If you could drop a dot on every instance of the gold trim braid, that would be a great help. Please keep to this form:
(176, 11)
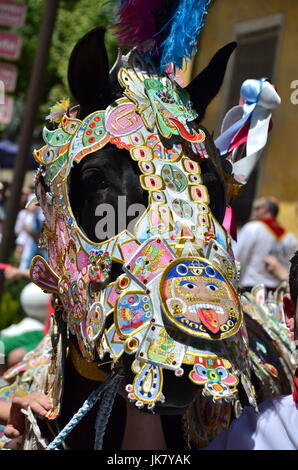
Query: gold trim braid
(88, 370)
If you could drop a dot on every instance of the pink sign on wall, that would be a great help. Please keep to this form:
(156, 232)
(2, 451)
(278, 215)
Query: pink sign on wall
(8, 75)
(6, 110)
(12, 14)
(10, 45)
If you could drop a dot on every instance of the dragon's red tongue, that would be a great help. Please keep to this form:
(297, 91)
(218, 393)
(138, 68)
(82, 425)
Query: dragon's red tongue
(209, 319)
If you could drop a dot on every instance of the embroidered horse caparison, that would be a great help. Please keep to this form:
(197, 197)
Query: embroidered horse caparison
(176, 306)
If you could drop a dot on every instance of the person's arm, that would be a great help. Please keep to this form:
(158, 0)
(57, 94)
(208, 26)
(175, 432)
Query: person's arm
(274, 267)
(4, 412)
(15, 273)
(30, 232)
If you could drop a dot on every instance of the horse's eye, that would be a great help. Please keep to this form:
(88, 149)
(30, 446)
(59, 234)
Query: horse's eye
(95, 179)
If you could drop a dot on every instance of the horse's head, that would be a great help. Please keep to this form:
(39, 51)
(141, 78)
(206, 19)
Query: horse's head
(172, 310)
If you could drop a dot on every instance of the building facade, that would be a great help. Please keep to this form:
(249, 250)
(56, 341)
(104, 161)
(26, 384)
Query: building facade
(267, 37)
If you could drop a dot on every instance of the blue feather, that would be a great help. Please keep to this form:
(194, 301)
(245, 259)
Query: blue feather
(186, 25)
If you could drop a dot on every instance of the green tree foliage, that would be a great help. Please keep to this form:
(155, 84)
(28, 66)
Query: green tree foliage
(74, 19)
(11, 310)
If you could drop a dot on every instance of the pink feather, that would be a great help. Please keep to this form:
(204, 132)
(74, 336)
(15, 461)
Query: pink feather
(137, 22)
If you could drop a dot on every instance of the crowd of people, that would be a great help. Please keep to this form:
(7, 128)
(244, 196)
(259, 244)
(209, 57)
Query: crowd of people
(17, 339)
(28, 227)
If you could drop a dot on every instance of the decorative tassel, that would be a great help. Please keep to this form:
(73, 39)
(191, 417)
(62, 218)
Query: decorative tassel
(104, 411)
(58, 110)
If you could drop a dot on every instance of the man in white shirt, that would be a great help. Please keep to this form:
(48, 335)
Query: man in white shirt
(259, 238)
(276, 426)
(28, 227)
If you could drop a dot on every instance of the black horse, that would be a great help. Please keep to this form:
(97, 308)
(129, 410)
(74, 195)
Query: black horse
(101, 178)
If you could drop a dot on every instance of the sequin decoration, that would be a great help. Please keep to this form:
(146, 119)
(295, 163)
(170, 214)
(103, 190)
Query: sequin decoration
(133, 311)
(160, 348)
(149, 261)
(147, 384)
(199, 300)
(182, 208)
(95, 321)
(214, 374)
(169, 104)
(94, 129)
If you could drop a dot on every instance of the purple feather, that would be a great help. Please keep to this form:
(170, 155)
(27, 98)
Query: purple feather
(137, 23)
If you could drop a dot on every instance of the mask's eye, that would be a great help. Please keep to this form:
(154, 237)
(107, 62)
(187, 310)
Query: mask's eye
(201, 370)
(222, 372)
(212, 287)
(187, 285)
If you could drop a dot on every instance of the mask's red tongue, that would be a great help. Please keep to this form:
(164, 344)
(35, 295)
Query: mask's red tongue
(209, 318)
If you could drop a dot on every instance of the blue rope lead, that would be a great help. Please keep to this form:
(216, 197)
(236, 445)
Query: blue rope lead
(104, 411)
(87, 405)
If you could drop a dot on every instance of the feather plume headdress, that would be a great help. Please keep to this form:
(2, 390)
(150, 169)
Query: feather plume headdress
(169, 29)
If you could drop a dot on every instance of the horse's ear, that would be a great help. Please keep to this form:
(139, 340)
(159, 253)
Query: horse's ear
(88, 73)
(206, 85)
